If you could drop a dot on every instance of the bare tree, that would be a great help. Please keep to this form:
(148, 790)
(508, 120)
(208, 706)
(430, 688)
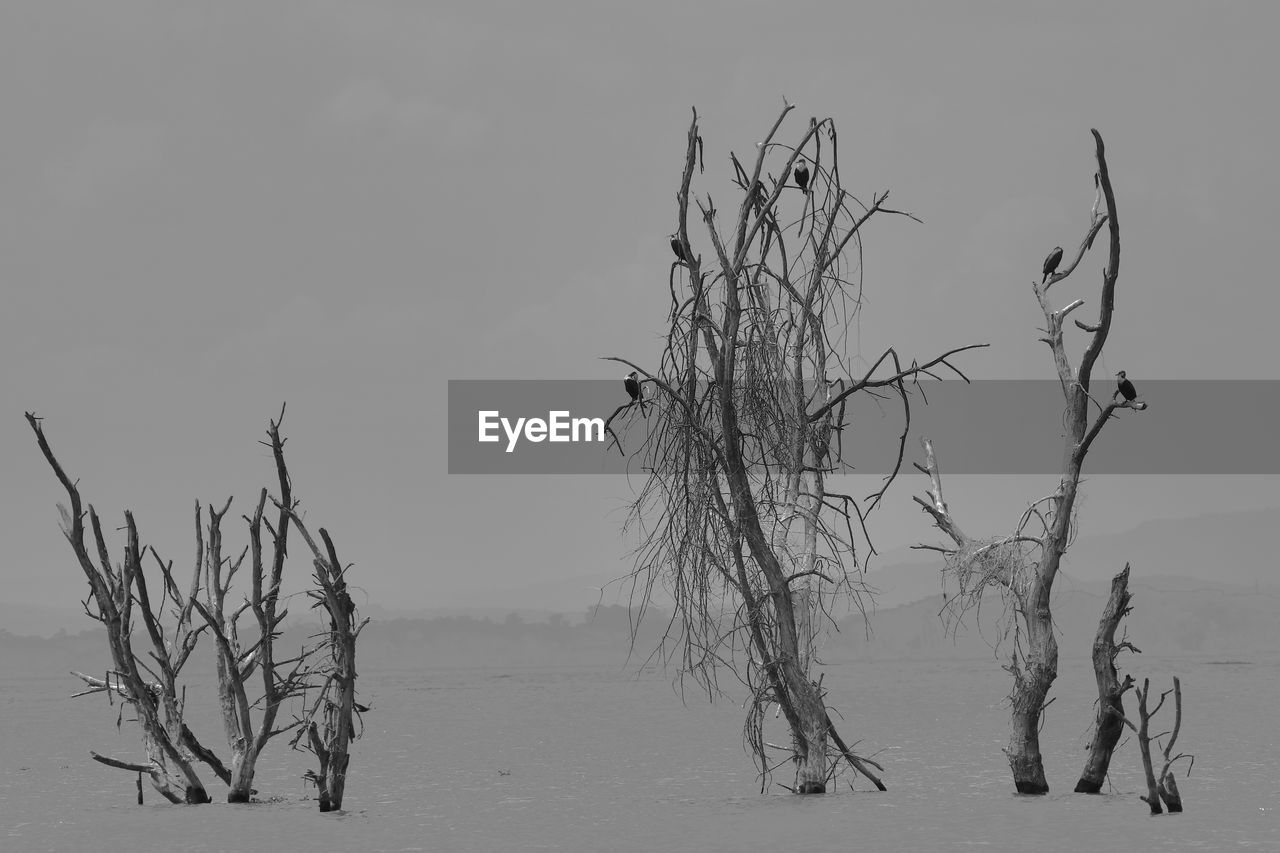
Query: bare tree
(330, 721)
(1023, 565)
(149, 686)
(152, 686)
(1109, 724)
(236, 661)
(737, 517)
(1161, 787)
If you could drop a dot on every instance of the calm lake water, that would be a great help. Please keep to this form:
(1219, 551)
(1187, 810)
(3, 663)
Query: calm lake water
(603, 759)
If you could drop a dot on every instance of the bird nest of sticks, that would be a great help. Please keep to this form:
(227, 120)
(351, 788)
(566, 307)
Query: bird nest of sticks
(998, 560)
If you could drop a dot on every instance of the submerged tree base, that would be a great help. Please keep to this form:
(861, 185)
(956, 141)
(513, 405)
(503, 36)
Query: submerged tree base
(1168, 790)
(811, 788)
(1028, 771)
(195, 796)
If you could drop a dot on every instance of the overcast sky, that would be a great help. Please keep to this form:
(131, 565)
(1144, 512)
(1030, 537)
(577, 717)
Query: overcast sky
(210, 208)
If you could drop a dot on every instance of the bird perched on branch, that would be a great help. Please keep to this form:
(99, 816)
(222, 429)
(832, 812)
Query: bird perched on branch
(801, 174)
(1051, 263)
(1124, 388)
(678, 248)
(632, 383)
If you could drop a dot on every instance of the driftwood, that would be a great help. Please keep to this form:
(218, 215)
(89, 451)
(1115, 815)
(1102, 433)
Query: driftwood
(1109, 724)
(124, 765)
(120, 765)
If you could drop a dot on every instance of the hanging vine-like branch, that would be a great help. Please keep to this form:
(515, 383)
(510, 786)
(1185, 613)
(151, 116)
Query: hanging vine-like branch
(736, 519)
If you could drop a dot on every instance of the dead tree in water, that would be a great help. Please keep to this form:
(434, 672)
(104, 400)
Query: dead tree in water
(736, 516)
(1162, 787)
(329, 723)
(1109, 724)
(1022, 566)
(150, 687)
(236, 662)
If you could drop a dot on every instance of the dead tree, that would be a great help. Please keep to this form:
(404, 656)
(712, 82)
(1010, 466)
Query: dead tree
(1167, 787)
(330, 721)
(1162, 787)
(149, 686)
(237, 662)
(736, 517)
(1023, 565)
(1109, 724)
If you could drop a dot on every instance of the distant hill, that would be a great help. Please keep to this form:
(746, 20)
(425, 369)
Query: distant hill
(1171, 616)
(1230, 611)
(567, 598)
(1237, 547)
(41, 620)
(601, 636)
(1233, 548)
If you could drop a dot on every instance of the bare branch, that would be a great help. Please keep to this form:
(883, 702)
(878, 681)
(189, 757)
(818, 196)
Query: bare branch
(121, 765)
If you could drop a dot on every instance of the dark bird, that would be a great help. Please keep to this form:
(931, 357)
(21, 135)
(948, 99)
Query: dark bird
(678, 248)
(801, 174)
(1051, 263)
(1124, 388)
(632, 383)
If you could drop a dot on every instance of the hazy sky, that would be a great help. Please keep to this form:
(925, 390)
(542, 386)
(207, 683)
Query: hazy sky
(209, 208)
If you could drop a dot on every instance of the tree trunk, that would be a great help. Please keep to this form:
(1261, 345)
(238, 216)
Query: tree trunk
(811, 747)
(1110, 721)
(806, 636)
(1168, 790)
(336, 702)
(344, 729)
(235, 721)
(810, 737)
(1031, 683)
(156, 705)
(240, 742)
(243, 761)
(171, 773)
(1152, 798)
(1024, 739)
(330, 746)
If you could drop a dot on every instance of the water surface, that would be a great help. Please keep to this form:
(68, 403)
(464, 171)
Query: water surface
(605, 759)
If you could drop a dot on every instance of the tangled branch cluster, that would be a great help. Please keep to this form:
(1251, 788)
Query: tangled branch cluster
(735, 519)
